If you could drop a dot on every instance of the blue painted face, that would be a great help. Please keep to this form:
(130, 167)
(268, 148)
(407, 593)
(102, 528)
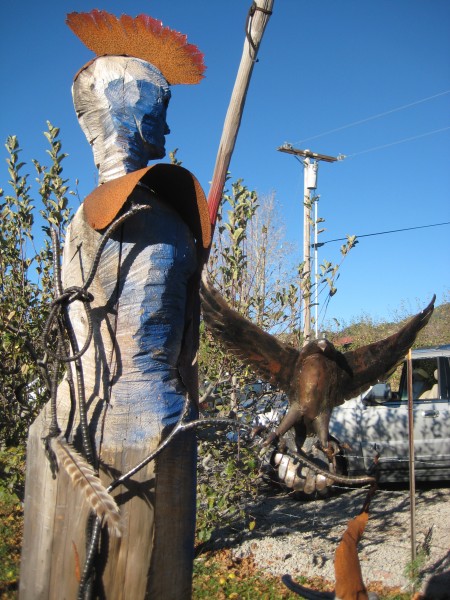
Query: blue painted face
(138, 110)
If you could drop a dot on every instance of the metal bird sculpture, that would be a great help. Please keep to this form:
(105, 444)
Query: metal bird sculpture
(316, 378)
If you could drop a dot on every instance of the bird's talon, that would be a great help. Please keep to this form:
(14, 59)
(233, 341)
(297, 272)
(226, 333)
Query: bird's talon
(271, 439)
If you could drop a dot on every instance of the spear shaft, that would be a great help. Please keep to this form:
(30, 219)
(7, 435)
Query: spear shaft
(257, 20)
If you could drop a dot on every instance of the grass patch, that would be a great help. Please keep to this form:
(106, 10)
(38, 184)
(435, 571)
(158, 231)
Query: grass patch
(11, 527)
(218, 575)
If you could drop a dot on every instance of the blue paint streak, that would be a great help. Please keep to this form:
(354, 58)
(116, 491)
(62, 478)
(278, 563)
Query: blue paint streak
(158, 258)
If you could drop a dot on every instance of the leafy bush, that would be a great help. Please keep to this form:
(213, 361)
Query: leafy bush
(26, 285)
(12, 469)
(227, 473)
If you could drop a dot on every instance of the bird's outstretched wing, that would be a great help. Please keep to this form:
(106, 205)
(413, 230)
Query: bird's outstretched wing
(377, 361)
(269, 357)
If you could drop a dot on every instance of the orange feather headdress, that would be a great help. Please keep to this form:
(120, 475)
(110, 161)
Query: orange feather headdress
(141, 37)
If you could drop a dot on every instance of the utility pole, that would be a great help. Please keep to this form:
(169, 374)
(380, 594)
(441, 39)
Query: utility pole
(310, 171)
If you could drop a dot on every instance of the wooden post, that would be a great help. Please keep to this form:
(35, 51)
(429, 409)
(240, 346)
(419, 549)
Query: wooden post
(128, 415)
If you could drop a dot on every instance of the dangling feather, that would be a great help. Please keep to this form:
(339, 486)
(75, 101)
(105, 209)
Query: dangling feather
(82, 474)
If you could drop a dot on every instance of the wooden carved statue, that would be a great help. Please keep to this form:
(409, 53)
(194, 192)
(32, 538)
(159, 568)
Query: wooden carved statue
(129, 299)
(316, 378)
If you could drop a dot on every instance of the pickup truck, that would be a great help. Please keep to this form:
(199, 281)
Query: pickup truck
(376, 422)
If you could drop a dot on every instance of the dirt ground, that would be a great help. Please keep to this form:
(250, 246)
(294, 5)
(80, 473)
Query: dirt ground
(299, 538)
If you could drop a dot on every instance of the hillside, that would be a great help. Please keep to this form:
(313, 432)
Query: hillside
(361, 332)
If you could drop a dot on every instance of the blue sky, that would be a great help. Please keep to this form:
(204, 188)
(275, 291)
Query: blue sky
(322, 67)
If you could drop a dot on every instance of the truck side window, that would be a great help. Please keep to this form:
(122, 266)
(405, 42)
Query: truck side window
(425, 373)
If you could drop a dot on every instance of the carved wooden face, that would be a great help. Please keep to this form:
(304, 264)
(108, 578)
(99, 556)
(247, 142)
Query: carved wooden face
(121, 103)
(138, 109)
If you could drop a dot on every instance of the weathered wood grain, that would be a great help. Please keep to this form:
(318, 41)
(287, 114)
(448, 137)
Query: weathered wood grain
(153, 558)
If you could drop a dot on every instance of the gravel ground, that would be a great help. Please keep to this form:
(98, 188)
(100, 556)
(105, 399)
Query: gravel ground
(299, 538)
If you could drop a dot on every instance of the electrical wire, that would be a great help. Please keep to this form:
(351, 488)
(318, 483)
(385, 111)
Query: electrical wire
(373, 117)
(409, 139)
(320, 244)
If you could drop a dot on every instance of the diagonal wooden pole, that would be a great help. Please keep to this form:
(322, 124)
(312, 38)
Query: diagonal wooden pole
(257, 20)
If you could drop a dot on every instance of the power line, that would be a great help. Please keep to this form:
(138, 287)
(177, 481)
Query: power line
(408, 139)
(382, 233)
(373, 117)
